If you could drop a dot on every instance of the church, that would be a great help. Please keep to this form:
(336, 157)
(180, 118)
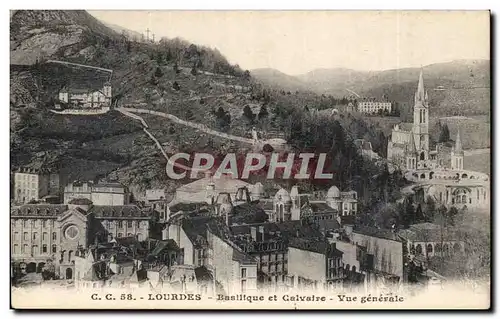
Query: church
(438, 173)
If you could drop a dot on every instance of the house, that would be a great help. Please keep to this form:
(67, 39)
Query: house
(85, 97)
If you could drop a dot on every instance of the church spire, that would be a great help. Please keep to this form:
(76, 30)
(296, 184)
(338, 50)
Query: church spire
(458, 144)
(420, 95)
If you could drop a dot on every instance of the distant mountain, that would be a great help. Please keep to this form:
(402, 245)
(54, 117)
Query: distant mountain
(460, 87)
(279, 80)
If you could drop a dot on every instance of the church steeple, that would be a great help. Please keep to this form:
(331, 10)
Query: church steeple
(421, 95)
(458, 145)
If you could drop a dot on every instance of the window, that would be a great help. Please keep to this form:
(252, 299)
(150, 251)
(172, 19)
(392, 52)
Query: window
(54, 236)
(130, 235)
(45, 236)
(25, 223)
(25, 236)
(34, 250)
(16, 249)
(25, 249)
(71, 232)
(243, 286)
(54, 249)
(243, 272)
(120, 224)
(16, 236)
(129, 223)
(44, 249)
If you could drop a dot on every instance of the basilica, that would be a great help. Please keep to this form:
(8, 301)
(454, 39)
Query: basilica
(437, 173)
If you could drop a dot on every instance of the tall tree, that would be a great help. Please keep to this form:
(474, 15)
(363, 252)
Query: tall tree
(248, 114)
(444, 134)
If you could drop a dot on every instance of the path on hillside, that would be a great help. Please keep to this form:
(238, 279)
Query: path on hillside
(201, 127)
(154, 139)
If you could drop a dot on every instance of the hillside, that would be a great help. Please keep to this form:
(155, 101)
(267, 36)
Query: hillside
(459, 87)
(279, 80)
(192, 82)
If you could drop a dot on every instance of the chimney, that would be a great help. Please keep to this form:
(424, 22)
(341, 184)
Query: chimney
(253, 233)
(261, 231)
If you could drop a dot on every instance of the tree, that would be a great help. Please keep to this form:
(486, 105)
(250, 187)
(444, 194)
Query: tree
(419, 214)
(452, 215)
(158, 72)
(176, 86)
(444, 135)
(408, 214)
(248, 114)
(263, 114)
(153, 80)
(430, 210)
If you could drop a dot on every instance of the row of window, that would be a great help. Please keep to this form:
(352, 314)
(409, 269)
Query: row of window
(50, 223)
(25, 177)
(35, 249)
(35, 236)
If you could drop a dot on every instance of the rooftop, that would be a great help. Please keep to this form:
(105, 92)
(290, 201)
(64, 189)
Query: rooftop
(315, 245)
(375, 232)
(101, 212)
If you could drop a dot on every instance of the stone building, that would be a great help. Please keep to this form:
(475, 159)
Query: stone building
(109, 194)
(85, 97)
(315, 264)
(41, 232)
(34, 184)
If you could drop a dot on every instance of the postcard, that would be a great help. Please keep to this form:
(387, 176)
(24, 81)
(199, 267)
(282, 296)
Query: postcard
(250, 160)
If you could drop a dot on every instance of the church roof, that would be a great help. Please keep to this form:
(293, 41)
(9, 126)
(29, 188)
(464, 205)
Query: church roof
(420, 95)
(458, 144)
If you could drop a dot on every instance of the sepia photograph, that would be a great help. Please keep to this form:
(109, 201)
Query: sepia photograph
(228, 160)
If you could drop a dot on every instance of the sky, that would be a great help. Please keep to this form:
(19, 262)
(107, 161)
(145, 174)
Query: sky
(296, 42)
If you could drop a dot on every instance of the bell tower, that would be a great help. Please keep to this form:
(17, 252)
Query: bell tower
(421, 120)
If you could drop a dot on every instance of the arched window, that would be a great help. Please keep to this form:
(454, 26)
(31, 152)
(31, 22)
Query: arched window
(44, 249)
(422, 156)
(70, 255)
(431, 174)
(54, 248)
(54, 236)
(429, 248)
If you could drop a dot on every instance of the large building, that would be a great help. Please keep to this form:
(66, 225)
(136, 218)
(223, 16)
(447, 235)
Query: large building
(84, 97)
(374, 107)
(43, 232)
(436, 173)
(293, 205)
(112, 194)
(34, 184)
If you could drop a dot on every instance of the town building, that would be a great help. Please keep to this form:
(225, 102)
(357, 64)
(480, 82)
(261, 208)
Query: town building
(374, 107)
(85, 97)
(233, 269)
(315, 264)
(381, 255)
(291, 206)
(106, 194)
(42, 232)
(34, 184)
